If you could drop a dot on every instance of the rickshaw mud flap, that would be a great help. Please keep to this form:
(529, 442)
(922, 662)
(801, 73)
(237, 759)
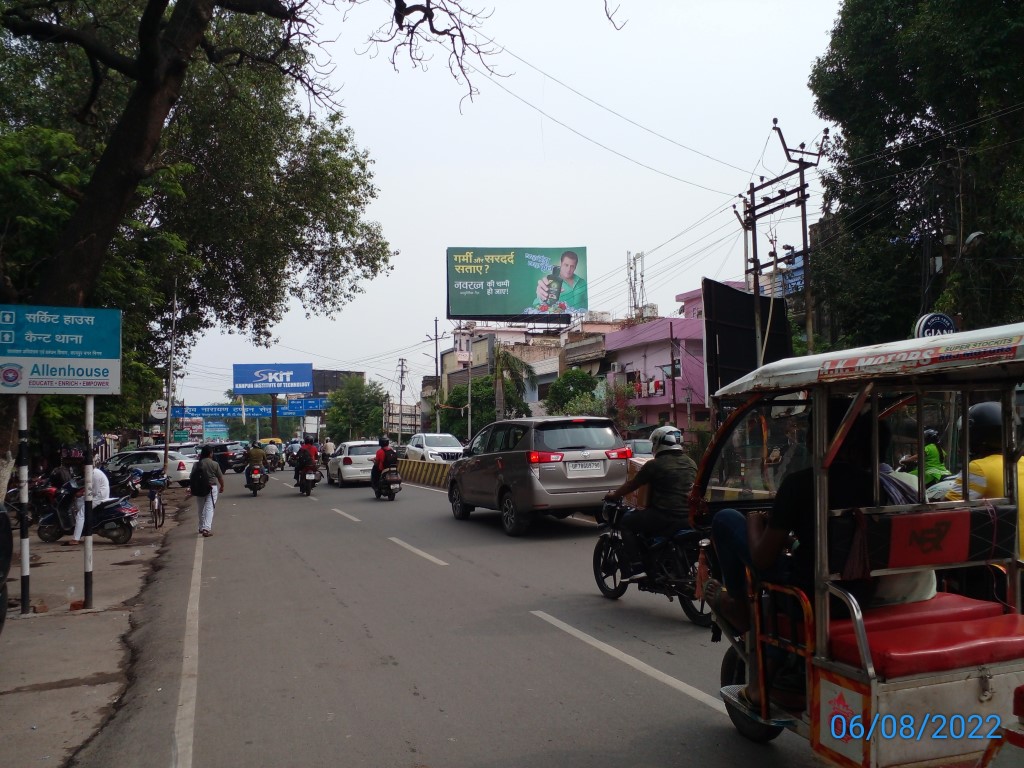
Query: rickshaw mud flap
(777, 717)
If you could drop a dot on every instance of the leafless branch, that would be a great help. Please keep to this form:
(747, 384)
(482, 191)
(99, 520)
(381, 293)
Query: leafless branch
(451, 23)
(610, 15)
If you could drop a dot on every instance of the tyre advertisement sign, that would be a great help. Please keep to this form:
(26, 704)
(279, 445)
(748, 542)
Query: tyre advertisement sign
(546, 285)
(59, 350)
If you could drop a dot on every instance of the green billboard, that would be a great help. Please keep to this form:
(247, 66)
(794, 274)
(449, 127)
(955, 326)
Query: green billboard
(517, 284)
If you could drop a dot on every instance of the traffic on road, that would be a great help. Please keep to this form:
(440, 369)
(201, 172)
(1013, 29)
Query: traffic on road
(336, 630)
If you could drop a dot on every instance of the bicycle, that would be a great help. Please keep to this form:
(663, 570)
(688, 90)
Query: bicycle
(157, 485)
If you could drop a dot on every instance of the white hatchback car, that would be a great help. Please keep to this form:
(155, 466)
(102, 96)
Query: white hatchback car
(433, 446)
(351, 462)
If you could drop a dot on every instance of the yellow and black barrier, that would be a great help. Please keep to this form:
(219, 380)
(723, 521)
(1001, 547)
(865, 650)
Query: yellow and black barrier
(433, 473)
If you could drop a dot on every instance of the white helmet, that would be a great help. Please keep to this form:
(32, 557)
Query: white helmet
(666, 438)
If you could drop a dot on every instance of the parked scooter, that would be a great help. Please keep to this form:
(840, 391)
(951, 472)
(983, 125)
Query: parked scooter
(675, 561)
(388, 483)
(256, 479)
(114, 519)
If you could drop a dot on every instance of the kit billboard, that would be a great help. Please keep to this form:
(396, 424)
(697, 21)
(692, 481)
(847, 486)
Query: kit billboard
(504, 284)
(272, 378)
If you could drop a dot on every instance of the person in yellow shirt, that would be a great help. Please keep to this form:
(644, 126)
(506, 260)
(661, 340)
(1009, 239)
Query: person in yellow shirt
(985, 474)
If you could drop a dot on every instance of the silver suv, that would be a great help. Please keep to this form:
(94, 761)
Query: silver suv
(527, 467)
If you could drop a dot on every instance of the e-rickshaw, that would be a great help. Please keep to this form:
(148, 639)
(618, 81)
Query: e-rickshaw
(929, 671)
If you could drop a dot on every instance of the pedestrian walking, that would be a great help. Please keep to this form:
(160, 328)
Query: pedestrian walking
(206, 483)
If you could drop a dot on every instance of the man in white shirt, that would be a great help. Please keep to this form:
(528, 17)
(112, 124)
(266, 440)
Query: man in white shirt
(100, 492)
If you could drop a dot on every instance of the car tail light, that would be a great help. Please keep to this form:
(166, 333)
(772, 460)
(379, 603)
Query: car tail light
(347, 461)
(543, 457)
(181, 466)
(620, 453)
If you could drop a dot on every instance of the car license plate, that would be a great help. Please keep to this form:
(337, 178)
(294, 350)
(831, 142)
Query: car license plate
(310, 476)
(584, 466)
(364, 471)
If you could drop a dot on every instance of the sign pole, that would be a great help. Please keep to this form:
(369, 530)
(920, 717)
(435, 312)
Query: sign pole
(90, 403)
(23, 498)
(170, 376)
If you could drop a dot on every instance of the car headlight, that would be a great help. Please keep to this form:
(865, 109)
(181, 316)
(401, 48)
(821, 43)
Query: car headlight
(434, 455)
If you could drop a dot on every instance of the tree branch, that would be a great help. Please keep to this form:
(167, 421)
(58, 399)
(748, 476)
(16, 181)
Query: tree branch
(51, 181)
(271, 8)
(23, 25)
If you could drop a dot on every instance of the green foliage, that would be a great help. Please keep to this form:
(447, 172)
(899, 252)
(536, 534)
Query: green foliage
(455, 421)
(583, 404)
(926, 96)
(248, 201)
(617, 405)
(356, 410)
(515, 373)
(568, 387)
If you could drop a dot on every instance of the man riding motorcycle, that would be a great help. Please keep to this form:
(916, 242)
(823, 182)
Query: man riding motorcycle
(306, 456)
(384, 457)
(670, 475)
(255, 457)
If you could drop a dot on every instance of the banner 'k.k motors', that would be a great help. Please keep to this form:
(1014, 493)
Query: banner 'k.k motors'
(517, 284)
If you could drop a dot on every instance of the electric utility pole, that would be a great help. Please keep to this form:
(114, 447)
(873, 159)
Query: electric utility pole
(755, 208)
(401, 393)
(437, 373)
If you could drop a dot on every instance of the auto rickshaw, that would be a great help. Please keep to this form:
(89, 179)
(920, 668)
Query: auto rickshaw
(928, 669)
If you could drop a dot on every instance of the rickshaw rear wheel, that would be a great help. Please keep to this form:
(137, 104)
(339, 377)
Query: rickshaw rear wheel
(734, 672)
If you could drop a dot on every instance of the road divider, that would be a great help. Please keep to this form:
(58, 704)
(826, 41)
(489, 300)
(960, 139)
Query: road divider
(433, 473)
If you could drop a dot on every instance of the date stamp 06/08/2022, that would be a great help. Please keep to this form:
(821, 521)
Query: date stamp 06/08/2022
(915, 727)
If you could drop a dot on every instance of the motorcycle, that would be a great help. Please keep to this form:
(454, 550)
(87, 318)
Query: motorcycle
(273, 462)
(388, 483)
(256, 479)
(308, 478)
(113, 519)
(674, 563)
(41, 496)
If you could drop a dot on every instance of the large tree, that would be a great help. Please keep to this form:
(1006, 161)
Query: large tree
(927, 96)
(356, 410)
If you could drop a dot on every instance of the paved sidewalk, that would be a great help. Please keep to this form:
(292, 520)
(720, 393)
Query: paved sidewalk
(62, 671)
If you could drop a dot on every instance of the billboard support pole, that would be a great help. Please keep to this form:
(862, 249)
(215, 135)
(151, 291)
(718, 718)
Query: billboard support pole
(469, 393)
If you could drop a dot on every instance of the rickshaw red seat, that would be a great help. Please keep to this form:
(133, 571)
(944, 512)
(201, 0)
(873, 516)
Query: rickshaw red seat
(944, 607)
(937, 647)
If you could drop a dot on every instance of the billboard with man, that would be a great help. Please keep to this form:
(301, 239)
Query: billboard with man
(546, 285)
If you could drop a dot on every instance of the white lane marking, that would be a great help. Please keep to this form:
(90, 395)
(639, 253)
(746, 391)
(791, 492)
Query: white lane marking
(419, 552)
(426, 487)
(346, 514)
(615, 653)
(184, 723)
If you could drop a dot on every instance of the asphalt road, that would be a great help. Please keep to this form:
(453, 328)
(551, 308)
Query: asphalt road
(338, 630)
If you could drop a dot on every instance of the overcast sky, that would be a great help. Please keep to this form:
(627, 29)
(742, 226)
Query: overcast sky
(636, 140)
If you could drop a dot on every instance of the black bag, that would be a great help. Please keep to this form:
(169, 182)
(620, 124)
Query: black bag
(390, 458)
(198, 483)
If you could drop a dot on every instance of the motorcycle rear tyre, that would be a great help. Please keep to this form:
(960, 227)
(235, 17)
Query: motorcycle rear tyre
(697, 611)
(122, 534)
(255, 491)
(49, 533)
(609, 551)
(391, 497)
(734, 672)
